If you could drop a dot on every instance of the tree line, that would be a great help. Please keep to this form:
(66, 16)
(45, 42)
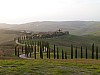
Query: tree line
(41, 47)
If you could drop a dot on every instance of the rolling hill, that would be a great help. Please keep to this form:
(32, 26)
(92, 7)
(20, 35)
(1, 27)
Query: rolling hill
(7, 35)
(74, 27)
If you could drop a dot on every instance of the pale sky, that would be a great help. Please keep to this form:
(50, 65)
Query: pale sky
(23, 11)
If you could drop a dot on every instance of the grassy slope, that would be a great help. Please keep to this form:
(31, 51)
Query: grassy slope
(7, 43)
(92, 29)
(50, 67)
(78, 41)
(96, 33)
(7, 35)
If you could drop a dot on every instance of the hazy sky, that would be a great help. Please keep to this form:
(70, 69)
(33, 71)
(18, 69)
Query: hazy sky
(22, 11)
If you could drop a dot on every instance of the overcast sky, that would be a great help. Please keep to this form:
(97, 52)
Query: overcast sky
(23, 11)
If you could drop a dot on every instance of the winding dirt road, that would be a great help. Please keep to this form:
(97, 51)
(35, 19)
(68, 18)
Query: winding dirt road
(22, 55)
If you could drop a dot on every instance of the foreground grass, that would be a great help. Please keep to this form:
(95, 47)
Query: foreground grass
(50, 67)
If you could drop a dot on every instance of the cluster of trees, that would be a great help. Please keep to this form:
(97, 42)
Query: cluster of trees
(36, 46)
(57, 53)
(42, 46)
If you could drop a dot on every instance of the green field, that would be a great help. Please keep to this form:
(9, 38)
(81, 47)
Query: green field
(78, 41)
(50, 67)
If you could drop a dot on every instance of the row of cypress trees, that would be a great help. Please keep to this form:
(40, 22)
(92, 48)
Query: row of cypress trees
(40, 45)
(64, 55)
(93, 48)
(76, 51)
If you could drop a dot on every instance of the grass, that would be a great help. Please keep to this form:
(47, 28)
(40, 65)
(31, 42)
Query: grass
(78, 41)
(50, 67)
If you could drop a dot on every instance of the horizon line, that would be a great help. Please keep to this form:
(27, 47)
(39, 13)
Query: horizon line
(52, 21)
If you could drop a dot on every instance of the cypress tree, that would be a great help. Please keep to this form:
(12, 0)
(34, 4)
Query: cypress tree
(54, 52)
(93, 51)
(65, 55)
(47, 48)
(30, 50)
(15, 50)
(40, 50)
(30, 53)
(22, 49)
(49, 52)
(42, 54)
(38, 46)
(25, 49)
(97, 52)
(23, 37)
(71, 51)
(43, 46)
(18, 51)
(76, 53)
(86, 52)
(35, 52)
(81, 53)
(57, 53)
(62, 54)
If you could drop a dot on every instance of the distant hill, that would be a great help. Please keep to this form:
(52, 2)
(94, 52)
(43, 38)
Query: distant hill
(74, 27)
(6, 26)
